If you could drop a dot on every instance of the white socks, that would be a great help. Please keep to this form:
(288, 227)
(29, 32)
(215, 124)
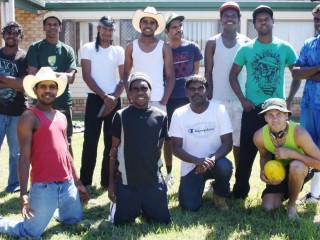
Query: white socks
(315, 185)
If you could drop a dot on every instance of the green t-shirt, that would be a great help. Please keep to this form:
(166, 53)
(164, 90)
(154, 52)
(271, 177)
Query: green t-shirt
(60, 57)
(265, 64)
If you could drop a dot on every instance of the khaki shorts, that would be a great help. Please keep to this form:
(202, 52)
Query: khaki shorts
(234, 109)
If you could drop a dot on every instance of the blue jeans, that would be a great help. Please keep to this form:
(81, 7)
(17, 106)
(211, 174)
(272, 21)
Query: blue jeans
(58, 199)
(8, 127)
(192, 185)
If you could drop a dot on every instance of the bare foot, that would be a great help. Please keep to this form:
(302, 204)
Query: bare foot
(292, 213)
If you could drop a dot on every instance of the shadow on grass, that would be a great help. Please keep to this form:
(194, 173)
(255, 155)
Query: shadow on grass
(11, 206)
(245, 220)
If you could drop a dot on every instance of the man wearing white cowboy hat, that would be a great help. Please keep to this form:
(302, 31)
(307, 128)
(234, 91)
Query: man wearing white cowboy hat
(293, 146)
(55, 186)
(151, 55)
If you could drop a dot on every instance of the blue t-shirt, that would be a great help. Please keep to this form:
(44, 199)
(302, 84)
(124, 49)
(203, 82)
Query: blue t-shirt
(184, 57)
(309, 57)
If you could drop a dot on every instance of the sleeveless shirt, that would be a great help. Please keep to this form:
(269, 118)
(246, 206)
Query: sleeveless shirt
(223, 60)
(151, 63)
(50, 158)
(289, 143)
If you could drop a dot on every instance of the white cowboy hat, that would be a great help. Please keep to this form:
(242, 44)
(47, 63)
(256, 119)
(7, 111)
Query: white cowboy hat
(149, 12)
(44, 73)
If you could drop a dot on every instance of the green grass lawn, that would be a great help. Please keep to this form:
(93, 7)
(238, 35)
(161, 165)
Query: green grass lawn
(245, 220)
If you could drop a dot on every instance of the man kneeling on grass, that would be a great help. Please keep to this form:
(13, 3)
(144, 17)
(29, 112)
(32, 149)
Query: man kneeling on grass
(201, 136)
(291, 144)
(136, 184)
(55, 186)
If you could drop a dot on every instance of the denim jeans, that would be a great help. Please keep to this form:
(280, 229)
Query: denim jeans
(58, 199)
(192, 185)
(8, 127)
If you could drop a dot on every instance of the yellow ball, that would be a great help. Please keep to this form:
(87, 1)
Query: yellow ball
(274, 170)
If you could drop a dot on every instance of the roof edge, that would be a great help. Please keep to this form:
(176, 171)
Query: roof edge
(186, 6)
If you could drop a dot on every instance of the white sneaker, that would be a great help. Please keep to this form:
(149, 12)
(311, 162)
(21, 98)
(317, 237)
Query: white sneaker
(308, 198)
(112, 211)
(169, 180)
(209, 189)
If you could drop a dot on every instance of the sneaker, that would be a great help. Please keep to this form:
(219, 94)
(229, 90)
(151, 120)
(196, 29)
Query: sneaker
(112, 211)
(13, 188)
(308, 198)
(209, 188)
(169, 180)
(220, 203)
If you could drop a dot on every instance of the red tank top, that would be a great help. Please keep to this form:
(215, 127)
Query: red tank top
(50, 159)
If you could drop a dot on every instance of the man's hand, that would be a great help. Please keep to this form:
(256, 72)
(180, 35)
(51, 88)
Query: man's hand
(247, 105)
(110, 101)
(84, 196)
(207, 164)
(164, 102)
(26, 209)
(267, 181)
(282, 153)
(200, 169)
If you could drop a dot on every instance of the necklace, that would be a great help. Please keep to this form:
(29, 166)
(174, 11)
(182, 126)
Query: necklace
(279, 135)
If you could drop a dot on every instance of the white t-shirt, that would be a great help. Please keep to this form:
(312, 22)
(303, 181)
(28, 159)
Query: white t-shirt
(200, 132)
(104, 65)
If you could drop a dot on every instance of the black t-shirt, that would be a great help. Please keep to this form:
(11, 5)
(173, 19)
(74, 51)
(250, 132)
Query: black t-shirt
(138, 154)
(12, 102)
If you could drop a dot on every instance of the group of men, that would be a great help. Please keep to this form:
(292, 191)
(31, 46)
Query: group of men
(205, 116)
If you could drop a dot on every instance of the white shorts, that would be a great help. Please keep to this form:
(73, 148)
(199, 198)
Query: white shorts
(159, 105)
(234, 109)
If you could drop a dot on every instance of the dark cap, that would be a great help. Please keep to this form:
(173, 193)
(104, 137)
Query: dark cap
(107, 21)
(229, 4)
(260, 9)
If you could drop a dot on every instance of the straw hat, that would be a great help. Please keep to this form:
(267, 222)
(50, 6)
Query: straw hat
(149, 12)
(45, 73)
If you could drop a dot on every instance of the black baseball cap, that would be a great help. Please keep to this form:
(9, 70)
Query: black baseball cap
(260, 9)
(107, 21)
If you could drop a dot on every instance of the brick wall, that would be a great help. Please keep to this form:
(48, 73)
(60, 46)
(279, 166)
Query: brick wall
(32, 27)
(79, 105)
